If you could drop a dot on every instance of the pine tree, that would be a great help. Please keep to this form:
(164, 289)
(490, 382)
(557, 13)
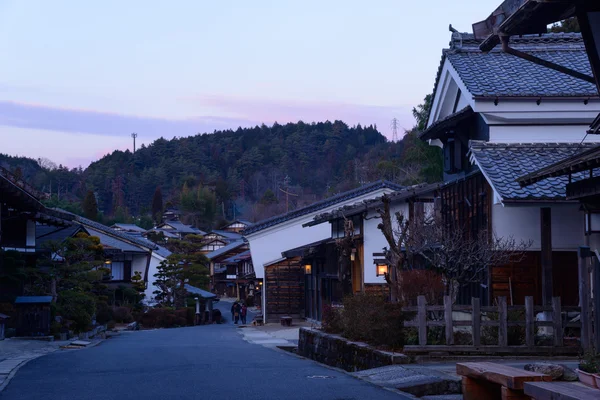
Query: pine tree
(157, 204)
(90, 206)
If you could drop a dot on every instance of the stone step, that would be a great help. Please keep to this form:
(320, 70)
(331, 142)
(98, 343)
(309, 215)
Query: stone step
(418, 381)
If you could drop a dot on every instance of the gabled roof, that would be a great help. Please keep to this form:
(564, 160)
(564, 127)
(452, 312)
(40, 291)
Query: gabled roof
(319, 205)
(363, 206)
(502, 164)
(49, 233)
(225, 249)
(88, 223)
(181, 228)
(111, 242)
(498, 74)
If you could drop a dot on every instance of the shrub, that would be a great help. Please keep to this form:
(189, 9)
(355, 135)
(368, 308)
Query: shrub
(166, 317)
(331, 320)
(122, 314)
(370, 318)
(104, 312)
(419, 282)
(78, 307)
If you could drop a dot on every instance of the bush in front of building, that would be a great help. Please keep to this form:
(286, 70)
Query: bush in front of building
(368, 318)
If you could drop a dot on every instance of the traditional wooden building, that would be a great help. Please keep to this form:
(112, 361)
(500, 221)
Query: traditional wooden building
(223, 272)
(269, 238)
(33, 315)
(498, 116)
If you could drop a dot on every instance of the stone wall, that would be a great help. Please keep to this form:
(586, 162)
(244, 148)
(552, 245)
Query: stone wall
(339, 352)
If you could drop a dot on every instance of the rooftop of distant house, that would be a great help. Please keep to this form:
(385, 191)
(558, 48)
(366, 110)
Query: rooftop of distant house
(320, 205)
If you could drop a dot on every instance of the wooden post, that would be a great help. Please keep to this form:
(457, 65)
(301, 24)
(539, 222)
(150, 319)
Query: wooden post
(529, 322)
(596, 294)
(502, 319)
(422, 318)
(584, 297)
(448, 320)
(476, 321)
(557, 322)
(546, 253)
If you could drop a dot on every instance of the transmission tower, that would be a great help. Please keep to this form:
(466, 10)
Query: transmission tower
(134, 135)
(394, 126)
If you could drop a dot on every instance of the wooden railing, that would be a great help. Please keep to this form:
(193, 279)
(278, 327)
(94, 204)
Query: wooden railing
(422, 322)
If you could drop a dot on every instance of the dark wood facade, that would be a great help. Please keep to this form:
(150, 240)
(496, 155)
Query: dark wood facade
(284, 283)
(467, 204)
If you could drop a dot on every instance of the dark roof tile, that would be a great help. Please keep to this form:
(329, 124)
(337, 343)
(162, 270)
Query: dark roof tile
(503, 164)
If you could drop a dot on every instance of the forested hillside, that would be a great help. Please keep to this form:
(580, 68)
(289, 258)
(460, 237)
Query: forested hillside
(252, 173)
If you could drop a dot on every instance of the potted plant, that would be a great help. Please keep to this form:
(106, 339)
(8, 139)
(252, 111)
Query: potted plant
(588, 367)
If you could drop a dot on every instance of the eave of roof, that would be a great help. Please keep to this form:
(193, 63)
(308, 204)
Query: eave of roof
(225, 249)
(319, 205)
(521, 17)
(355, 209)
(584, 161)
(439, 128)
(503, 163)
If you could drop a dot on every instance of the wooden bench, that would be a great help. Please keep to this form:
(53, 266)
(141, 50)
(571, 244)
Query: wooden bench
(286, 321)
(560, 391)
(486, 380)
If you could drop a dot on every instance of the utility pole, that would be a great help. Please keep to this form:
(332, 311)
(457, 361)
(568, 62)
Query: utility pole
(286, 183)
(134, 135)
(394, 126)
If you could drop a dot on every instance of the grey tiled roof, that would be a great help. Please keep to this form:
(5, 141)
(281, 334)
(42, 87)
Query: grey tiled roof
(502, 164)
(49, 233)
(223, 250)
(319, 205)
(498, 74)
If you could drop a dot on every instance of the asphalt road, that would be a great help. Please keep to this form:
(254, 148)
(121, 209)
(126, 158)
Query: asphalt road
(203, 362)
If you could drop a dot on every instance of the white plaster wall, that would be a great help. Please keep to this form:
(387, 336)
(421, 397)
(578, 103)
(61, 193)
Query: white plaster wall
(268, 244)
(523, 223)
(540, 134)
(155, 261)
(139, 264)
(374, 242)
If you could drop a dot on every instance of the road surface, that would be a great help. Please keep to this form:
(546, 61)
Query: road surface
(203, 362)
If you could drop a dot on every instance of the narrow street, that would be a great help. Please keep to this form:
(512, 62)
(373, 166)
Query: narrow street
(209, 362)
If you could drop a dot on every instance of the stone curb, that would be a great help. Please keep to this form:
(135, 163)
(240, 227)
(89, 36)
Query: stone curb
(14, 370)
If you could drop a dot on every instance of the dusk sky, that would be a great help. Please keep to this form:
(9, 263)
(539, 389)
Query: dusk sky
(77, 77)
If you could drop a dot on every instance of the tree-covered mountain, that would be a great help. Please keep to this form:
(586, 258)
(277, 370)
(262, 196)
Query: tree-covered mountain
(250, 172)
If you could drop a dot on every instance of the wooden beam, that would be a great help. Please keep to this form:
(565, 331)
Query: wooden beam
(546, 253)
(584, 297)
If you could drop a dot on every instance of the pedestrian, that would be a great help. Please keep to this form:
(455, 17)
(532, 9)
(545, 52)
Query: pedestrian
(233, 310)
(236, 312)
(243, 313)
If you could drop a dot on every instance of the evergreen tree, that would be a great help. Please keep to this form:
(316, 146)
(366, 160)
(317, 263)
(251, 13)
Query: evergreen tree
(157, 205)
(90, 206)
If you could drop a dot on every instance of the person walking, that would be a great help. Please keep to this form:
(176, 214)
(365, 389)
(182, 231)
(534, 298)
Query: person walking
(236, 312)
(243, 313)
(233, 310)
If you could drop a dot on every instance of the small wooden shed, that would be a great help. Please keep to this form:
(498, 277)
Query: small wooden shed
(33, 315)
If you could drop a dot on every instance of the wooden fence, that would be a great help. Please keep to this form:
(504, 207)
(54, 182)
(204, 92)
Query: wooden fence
(422, 322)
